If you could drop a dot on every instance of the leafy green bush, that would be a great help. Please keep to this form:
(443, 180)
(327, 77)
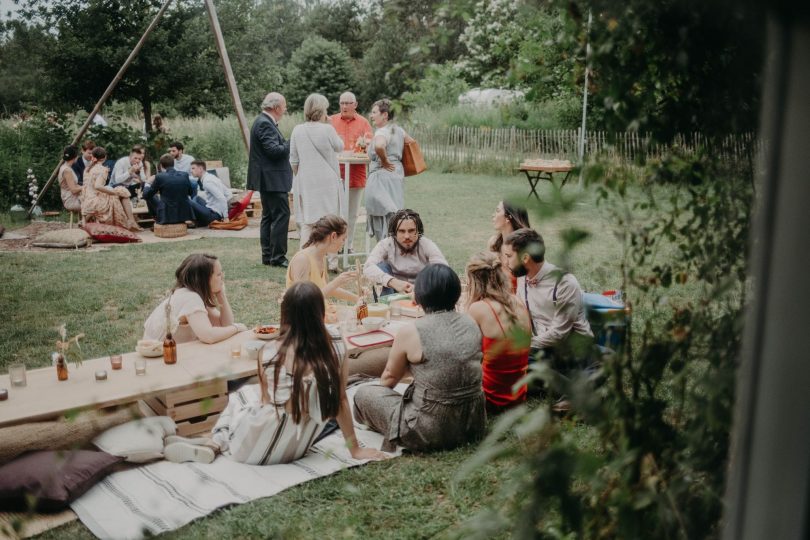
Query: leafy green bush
(441, 85)
(317, 66)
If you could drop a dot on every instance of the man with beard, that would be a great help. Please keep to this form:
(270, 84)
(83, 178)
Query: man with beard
(552, 296)
(395, 261)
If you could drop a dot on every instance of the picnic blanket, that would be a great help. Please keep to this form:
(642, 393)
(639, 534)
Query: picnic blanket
(164, 496)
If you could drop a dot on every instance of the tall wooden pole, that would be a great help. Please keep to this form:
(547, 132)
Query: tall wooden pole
(226, 66)
(104, 98)
(584, 105)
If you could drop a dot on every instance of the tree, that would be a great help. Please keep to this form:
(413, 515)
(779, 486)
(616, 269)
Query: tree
(492, 39)
(337, 21)
(21, 81)
(318, 66)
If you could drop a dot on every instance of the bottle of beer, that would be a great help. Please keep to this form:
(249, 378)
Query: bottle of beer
(169, 349)
(362, 306)
(61, 367)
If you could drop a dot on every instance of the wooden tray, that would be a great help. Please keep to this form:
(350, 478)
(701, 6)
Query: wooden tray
(375, 338)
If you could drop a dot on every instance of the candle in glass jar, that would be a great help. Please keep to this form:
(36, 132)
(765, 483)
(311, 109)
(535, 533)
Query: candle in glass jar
(140, 366)
(3, 394)
(236, 351)
(101, 375)
(116, 361)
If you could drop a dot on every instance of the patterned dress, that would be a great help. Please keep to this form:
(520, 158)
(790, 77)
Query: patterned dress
(99, 206)
(444, 406)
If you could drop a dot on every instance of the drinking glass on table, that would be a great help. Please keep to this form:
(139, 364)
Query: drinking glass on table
(16, 372)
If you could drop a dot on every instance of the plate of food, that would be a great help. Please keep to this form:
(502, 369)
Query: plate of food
(266, 331)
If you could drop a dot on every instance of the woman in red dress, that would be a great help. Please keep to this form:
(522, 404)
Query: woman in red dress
(505, 327)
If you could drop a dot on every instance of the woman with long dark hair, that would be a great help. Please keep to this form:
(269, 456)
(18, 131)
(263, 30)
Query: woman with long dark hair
(102, 203)
(508, 218)
(198, 306)
(69, 187)
(302, 385)
(505, 327)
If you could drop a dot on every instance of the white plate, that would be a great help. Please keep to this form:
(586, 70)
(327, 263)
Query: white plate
(274, 335)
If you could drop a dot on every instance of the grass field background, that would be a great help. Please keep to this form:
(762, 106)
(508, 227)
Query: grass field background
(109, 294)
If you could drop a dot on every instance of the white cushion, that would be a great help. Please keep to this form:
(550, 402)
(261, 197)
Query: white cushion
(139, 440)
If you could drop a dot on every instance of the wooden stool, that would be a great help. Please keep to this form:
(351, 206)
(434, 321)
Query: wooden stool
(173, 230)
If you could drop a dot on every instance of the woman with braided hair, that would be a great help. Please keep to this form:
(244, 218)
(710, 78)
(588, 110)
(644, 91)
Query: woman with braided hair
(505, 327)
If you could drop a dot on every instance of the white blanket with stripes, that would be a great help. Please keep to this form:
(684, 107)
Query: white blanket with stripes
(164, 496)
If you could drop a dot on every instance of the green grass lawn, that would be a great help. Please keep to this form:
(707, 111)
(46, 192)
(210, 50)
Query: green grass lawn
(109, 294)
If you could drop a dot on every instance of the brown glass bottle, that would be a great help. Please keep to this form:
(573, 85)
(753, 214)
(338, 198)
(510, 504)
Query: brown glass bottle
(362, 309)
(61, 367)
(169, 350)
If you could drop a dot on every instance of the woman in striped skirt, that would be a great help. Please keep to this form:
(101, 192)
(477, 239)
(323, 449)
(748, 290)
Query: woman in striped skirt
(302, 386)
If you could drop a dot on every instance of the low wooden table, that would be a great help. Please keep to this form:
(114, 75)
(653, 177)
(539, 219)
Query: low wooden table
(544, 169)
(195, 383)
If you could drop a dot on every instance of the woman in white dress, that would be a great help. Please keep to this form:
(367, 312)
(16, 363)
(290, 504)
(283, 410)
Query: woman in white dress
(314, 145)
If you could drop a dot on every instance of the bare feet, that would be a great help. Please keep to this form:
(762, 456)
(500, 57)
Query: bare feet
(135, 228)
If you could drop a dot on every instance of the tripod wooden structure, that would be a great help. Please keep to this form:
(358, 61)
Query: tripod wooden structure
(226, 66)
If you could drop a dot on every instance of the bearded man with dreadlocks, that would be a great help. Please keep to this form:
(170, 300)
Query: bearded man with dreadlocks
(395, 261)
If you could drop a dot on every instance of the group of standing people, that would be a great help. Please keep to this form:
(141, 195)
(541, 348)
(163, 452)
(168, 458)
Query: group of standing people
(307, 166)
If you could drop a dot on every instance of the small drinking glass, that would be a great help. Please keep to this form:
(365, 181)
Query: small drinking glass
(16, 372)
(140, 366)
(116, 361)
(396, 310)
(236, 352)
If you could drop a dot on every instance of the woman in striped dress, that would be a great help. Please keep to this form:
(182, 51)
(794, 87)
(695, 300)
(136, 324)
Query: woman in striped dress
(302, 385)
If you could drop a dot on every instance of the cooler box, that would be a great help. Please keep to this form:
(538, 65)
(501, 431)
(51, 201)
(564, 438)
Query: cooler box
(607, 318)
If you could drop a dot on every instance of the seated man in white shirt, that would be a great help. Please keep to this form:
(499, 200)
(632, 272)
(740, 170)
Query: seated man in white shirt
(560, 329)
(211, 202)
(395, 261)
(131, 171)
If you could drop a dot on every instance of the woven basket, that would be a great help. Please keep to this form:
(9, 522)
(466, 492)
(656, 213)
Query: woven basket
(174, 230)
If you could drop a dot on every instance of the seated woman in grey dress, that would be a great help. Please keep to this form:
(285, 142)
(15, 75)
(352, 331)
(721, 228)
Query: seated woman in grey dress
(385, 188)
(444, 406)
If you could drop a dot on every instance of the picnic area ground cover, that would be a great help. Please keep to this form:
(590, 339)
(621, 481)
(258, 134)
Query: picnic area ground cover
(109, 294)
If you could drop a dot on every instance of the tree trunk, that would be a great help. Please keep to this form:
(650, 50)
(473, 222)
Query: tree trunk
(146, 103)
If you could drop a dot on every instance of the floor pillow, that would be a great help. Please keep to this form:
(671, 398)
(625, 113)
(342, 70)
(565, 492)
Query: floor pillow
(50, 480)
(63, 238)
(240, 207)
(236, 223)
(139, 440)
(110, 234)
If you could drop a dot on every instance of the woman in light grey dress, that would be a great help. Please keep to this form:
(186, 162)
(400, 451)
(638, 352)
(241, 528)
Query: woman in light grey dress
(385, 187)
(317, 190)
(444, 406)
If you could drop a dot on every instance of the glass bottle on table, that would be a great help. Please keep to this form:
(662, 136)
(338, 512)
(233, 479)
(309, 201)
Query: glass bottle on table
(169, 349)
(61, 366)
(361, 309)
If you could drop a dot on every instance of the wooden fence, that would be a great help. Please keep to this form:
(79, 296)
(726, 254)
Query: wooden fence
(504, 148)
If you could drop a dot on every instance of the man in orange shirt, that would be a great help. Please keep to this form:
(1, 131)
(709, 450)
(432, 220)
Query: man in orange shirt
(355, 132)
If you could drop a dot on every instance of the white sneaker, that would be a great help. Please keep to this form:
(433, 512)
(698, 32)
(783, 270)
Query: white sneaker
(180, 452)
(196, 441)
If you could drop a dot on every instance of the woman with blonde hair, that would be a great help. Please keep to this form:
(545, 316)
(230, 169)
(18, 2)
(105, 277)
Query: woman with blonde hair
(505, 327)
(103, 203)
(314, 145)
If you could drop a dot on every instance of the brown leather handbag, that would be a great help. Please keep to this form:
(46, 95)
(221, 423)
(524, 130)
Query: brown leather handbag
(413, 162)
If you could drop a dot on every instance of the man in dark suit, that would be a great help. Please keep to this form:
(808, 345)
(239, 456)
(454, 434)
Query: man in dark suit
(270, 174)
(167, 196)
(84, 161)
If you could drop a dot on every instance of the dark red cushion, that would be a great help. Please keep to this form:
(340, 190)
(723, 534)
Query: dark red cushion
(110, 234)
(51, 480)
(239, 208)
